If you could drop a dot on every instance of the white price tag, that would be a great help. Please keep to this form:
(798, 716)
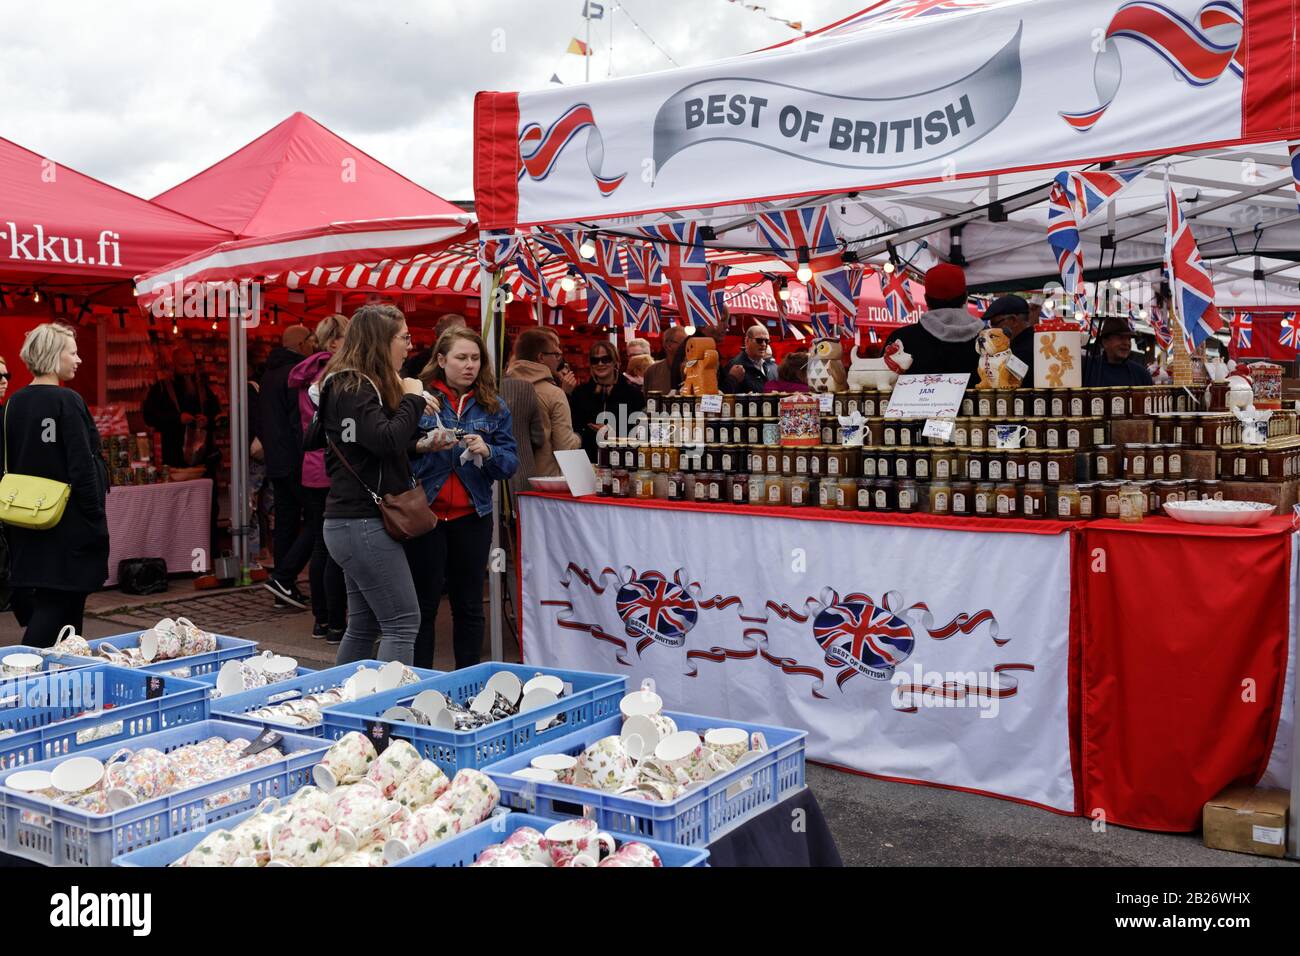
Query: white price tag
(826, 401)
(710, 403)
(940, 428)
(1017, 367)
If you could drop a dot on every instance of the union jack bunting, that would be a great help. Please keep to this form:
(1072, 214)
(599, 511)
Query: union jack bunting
(1090, 192)
(607, 285)
(809, 227)
(496, 247)
(718, 288)
(1164, 337)
(787, 327)
(898, 304)
(1243, 324)
(1190, 280)
(530, 273)
(685, 270)
(644, 275)
(1063, 237)
(1287, 337)
(824, 325)
(856, 275)
(564, 244)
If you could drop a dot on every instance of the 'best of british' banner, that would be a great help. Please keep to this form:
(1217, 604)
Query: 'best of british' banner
(906, 93)
(902, 650)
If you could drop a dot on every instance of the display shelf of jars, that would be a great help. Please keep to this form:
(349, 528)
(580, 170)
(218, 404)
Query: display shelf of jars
(1067, 466)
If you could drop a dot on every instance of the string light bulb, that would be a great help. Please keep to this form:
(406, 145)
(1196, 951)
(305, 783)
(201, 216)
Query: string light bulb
(784, 293)
(804, 273)
(36, 296)
(175, 328)
(1144, 315)
(1117, 285)
(567, 284)
(588, 248)
(889, 267)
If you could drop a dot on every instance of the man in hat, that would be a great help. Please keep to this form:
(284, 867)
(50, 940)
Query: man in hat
(1010, 313)
(1113, 366)
(944, 340)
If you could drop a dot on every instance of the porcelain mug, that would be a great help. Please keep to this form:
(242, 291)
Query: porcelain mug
(254, 834)
(572, 840)
(499, 854)
(527, 842)
(363, 810)
(608, 764)
(345, 762)
(219, 848)
(1254, 431)
(145, 774)
(391, 767)
(425, 826)
(424, 784)
(633, 854)
(71, 643)
(471, 797)
(731, 743)
(20, 665)
(685, 751)
(309, 838)
(563, 766)
(1010, 436)
(194, 640)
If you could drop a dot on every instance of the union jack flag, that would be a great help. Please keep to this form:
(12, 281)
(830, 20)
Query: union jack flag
(809, 227)
(718, 288)
(651, 605)
(1164, 337)
(1063, 237)
(606, 285)
(1090, 192)
(496, 247)
(1288, 336)
(875, 636)
(685, 269)
(819, 313)
(1243, 323)
(1190, 280)
(898, 304)
(644, 276)
(530, 274)
(787, 326)
(856, 275)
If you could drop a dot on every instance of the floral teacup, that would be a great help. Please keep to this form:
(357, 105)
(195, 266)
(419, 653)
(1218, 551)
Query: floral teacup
(309, 838)
(500, 854)
(608, 764)
(633, 854)
(71, 643)
(562, 765)
(363, 810)
(527, 842)
(425, 826)
(424, 784)
(572, 840)
(471, 796)
(731, 743)
(145, 774)
(219, 848)
(684, 751)
(346, 762)
(194, 640)
(390, 768)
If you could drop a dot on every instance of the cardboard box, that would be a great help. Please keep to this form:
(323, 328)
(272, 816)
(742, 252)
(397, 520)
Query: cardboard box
(1132, 431)
(1280, 494)
(1200, 463)
(1247, 820)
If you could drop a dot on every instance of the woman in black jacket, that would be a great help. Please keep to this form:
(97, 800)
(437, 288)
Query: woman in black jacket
(371, 415)
(606, 398)
(49, 433)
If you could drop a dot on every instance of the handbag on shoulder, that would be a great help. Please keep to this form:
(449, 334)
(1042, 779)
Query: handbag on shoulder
(29, 501)
(406, 515)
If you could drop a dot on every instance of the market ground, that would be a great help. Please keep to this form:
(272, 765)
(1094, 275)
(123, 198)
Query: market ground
(875, 822)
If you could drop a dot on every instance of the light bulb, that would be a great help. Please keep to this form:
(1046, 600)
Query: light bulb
(1117, 284)
(567, 284)
(214, 325)
(689, 329)
(804, 273)
(889, 268)
(175, 330)
(36, 296)
(587, 250)
(1143, 314)
(784, 293)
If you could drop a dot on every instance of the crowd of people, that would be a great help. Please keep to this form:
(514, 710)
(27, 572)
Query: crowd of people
(345, 420)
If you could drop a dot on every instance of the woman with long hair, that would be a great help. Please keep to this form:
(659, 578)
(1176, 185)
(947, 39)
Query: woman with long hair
(371, 416)
(49, 433)
(606, 396)
(469, 445)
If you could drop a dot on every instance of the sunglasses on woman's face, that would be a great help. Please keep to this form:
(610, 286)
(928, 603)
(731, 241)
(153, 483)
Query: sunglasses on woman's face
(601, 361)
(4, 376)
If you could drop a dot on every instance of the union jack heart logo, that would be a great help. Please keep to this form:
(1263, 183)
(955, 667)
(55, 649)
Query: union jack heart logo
(857, 634)
(654, 608)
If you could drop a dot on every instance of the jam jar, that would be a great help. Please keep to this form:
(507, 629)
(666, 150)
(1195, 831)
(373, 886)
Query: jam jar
(774, 490)
(1088, 507)
(1035, 500)
(738, 489)
(985, 500)
(846, 493)
(1105, 462)
(620, 482)
(886, 495)
(800, 492)
(1109, 494)
(940, 498)
(907, 500)
(1007, 499)
(963, 494)
(676, 486)
(866, 494)
(1067, 502)
(826, 494)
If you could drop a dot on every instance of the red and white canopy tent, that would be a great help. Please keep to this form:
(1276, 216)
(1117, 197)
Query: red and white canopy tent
(70, 243)
(298, 198)
(950, 137)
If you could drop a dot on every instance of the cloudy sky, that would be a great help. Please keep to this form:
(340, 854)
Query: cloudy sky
(145, 93)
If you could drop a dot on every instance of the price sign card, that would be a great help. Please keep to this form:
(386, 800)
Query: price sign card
(927, 396)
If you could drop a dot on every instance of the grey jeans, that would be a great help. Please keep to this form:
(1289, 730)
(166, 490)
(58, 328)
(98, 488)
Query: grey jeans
(381, 594)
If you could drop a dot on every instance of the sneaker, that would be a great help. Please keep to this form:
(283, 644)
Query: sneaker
(334, 637)
(286, 595)
(318, 631)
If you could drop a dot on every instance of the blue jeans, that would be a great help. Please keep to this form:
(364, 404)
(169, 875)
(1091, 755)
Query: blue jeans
(381, 594)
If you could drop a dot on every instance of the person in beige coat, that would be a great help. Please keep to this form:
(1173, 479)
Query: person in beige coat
(537, 358)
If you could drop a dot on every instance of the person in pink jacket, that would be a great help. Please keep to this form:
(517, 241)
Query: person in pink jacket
(329, 597)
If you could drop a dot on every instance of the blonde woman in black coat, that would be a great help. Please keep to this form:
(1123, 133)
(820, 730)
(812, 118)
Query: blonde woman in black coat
(49, 433)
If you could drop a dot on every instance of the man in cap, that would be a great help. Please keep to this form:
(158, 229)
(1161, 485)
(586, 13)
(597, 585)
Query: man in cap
(1113, 366)
(1011, 314)
(282, 445)
(943, 341)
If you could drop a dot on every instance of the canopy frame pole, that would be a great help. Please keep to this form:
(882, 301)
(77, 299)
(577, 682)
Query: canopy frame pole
(1293, 831)
(238, 399)
(487, 286)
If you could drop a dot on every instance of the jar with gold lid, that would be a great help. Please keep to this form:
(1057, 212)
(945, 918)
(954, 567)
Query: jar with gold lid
(1002, 403)
(774, 490)
(1021, 405)
(940, 498)
(1135, 461)
(976, 459)
(620, 483)
(1036, 465)
(1057, 403)
(866, 494)
(1132, 503)
(978, 429)
(1059, 466)
(1088, 505)
(886, 495)
(1018, 464)
(902, 462)
(921, 464)
(963, 495)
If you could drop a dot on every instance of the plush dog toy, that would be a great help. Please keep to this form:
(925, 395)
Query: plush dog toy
(700, 370)
(826, 367)
(879, 373)
(995, 351)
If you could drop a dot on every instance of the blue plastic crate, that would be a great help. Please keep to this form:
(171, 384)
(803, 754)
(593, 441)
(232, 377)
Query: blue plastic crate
(460, 850)
(210, 678)
(48, 662)
(228, 649)
(464, 848)
(589, 698)
(236, 706)
(57, 835)
(62, 712)
(697, 818)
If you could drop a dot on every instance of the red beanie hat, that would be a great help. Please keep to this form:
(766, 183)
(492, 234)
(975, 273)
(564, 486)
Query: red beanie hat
(945, 282)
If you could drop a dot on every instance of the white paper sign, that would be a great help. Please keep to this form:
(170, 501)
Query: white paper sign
(1017, 367)
(710, 403)
(827, 402)
(939, 428)
(927, 396)
(578, 472)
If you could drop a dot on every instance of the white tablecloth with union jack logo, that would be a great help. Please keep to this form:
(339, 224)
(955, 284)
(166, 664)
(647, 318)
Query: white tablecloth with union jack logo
(909, 647)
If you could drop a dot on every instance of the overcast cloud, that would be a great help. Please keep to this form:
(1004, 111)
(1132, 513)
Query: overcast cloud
(145, 94)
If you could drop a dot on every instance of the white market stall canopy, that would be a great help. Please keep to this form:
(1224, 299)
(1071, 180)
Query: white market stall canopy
(938, 127)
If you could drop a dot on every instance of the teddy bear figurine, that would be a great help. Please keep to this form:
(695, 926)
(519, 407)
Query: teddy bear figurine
(700, 370)
(826, 367)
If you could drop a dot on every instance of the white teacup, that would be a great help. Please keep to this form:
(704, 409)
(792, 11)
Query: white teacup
(562, 765)
(20, 665)
(390, 768)
(684, 751)
(576, 843)
(609, 764)
(732, 743)
(644, 702)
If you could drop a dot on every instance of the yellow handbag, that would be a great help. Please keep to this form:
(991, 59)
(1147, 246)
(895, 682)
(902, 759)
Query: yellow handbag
(28, 501)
